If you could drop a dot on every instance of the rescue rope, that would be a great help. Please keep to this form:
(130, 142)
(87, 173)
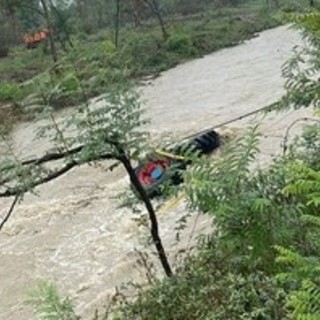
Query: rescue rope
(171, 203)
(175, 200)
(248, 114)
(169, 155)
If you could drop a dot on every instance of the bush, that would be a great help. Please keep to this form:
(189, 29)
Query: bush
(186, 7)
(4, 48)
(4, 51)
(181, 43)
(307, 146)
(9, 92)
(49, 305)
(144, 54)
(211, 286)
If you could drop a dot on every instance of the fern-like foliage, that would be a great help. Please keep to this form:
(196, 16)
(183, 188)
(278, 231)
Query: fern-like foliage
(305, 184)
(302, 278)
(209, 184)
(248, 207)
(116, 120)
(49, 305)
(301, 274)
(302, 70)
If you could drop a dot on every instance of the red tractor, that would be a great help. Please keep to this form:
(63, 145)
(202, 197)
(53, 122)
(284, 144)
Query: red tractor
(32, 40)
(165, 166)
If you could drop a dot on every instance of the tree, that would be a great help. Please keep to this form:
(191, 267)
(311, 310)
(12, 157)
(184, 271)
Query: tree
(155, 9)
(92, 15)
(271, 3)
(47, 18)
(112, 131)
(4, 39)
(117, 23)
(300, 262)
(300, 72)
(61, 15)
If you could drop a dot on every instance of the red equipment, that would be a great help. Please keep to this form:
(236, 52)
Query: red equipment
(32, 40)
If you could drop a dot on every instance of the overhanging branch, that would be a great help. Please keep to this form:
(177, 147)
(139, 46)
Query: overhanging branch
(46, 158)
(55, 174)
(58, 156)
(6, 218)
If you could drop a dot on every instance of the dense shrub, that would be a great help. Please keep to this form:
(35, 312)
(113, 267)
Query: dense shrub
(181, 43)
(4, 51)
(4, 47)
(9, 92)
(211, 286)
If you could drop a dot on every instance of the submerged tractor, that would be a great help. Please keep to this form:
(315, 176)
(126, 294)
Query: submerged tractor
(165, 166)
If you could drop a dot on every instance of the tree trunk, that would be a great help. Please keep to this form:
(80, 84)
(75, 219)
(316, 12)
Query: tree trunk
(117, 24)
(63, 23)
(62, 43)
(311, 3)
(154, 6)
(137, 21)
(152, 215)
(267, 4)
(50, 35)
(272, 3)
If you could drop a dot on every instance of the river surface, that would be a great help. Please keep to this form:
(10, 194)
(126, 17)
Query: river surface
(73, 232)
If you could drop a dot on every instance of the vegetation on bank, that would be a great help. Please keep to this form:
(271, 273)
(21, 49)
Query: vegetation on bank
(94, 63)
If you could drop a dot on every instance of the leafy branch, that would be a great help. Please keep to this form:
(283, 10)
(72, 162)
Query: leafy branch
(111, 130)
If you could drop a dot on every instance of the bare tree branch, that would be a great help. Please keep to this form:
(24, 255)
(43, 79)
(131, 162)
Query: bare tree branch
(287, 133)
(6, 218)
(17, 193)
(55, 174)
(46, 158)
(154, 7)
(57, 156)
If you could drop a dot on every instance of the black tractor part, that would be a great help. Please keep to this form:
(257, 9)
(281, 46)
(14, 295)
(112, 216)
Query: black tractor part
(207, 142)
(200, 145)
(157, 169)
